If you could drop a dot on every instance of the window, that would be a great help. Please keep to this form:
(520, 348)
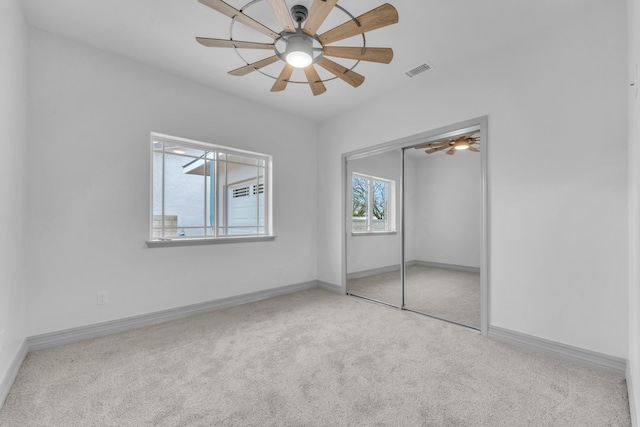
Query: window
(373, 204)
(206, 191)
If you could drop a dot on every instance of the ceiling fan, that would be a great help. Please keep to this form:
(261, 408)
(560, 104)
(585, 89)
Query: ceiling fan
(300, 47)
(464, 142)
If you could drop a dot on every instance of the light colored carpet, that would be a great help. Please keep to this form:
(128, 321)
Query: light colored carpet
(443, 293)
(383, 287)
(308, 359)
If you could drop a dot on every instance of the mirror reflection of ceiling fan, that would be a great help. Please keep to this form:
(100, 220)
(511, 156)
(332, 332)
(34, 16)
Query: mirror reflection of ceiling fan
(298, 45)
(464, 142)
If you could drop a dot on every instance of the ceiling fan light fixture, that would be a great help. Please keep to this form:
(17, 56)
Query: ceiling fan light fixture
(299, 52)
(461, 145)
(299, 59)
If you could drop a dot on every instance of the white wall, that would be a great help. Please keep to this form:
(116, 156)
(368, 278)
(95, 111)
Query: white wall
(88, 194)
(633, 14)
(13, 94)
(446, 220)
(557, 173)
(371, 252)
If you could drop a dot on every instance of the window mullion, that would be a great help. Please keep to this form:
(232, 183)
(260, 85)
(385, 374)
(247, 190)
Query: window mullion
(257, 190)
(369, 204)
(163, 233)
(216, 216)
(204, 193)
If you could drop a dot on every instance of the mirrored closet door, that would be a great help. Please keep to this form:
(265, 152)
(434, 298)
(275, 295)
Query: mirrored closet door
(443, 228)
(416, 224)
(373, 238)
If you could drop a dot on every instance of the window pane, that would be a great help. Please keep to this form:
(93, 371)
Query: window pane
(210, 199)
(261, 197)
(359, 202)
(235, 158)
(183, 151)
(157, 194)
(184, 195)
(243, 192)
(380, 208)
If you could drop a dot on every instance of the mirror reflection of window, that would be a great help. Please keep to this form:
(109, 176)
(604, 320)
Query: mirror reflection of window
(373, 202)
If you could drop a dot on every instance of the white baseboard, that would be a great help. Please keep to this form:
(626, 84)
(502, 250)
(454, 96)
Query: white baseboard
(380, 270)
(7, 381)
(592, 359)
(330, 287)
(67, 336)
(373, 271)
(632, 398)
(455, 267)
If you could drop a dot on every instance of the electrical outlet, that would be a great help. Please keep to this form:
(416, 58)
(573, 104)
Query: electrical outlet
(102, 298)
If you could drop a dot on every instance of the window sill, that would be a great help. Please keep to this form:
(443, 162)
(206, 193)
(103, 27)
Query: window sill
(207, 241)
(373, 233)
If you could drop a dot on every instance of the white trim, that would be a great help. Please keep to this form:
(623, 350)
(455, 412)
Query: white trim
(330, 287)
(372, 233)
(207, 241)
(67, 336)
(7, 381)
(455, 267)
(592, 359)
(633, 409)
(373, 271)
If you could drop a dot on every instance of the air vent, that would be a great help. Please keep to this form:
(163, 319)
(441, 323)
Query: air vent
(418, 70)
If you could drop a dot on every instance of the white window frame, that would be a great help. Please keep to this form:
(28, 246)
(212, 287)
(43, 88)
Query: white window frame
(391, 205)
(216, 236)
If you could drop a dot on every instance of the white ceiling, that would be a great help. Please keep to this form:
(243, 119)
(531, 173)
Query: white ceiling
(161, 33)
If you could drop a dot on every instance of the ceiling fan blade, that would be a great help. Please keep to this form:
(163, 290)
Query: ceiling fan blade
(433, 145)
(349, 76)
(315, 83)
(475, 150)
(451, 151)
(320, 9)
(232, 43)
(436, 149)
(441, 143)
(283, 78)
(467, 138)
(232, 12)
(242, 71)
(376, 18)
(383, 55)
(284, 16)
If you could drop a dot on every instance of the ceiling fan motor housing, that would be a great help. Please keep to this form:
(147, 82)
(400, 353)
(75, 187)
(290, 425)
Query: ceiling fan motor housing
(299, 13)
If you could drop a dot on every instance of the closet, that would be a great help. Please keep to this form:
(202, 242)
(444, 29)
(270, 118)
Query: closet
(416, 224)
